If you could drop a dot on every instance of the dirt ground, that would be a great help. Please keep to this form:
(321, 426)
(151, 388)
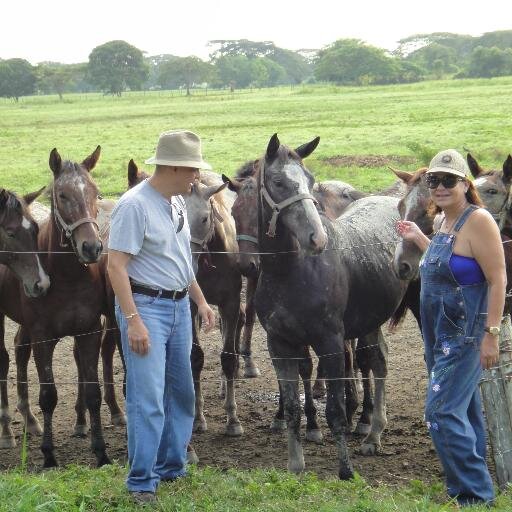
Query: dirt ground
(406, 449)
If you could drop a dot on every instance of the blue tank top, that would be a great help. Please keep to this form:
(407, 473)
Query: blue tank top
(466, 270)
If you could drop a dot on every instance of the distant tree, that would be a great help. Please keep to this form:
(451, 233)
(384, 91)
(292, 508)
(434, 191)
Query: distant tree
(54, 77)
(488, 62)
(234, 71)
(234, 47)
(296, 66)
(116, 65)
(185, 71)
(17, 78)
(435, 58)
(155, 63)
(351, 61)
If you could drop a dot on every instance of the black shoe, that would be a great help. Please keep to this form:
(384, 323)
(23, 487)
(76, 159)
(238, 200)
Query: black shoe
(142, 497)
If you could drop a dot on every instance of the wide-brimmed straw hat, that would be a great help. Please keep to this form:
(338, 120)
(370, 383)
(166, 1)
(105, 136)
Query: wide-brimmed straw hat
(449, 161)
(179, 148)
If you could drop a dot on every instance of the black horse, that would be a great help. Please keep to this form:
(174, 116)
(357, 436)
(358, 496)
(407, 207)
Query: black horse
(320, 282)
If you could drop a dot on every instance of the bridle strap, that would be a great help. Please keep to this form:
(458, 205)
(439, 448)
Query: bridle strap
(278, 207)
(501, 217)
(69, 228)
(247, 238)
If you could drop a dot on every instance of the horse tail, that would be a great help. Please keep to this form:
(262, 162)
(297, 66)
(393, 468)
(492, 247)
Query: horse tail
(410, 300)
(399, 314)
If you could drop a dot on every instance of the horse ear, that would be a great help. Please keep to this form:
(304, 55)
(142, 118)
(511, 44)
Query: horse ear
(90, 162)
(55, 162)
(474, 166)
(4, 195)
(403, 175)
(507, 169)
(272, 148)
(306, 149)
(133, 173)
(212, 189)
(29, 198)
(233, 185)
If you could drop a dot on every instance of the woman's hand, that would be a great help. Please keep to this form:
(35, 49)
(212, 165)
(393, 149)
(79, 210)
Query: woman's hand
(408, 230)
(489, 351)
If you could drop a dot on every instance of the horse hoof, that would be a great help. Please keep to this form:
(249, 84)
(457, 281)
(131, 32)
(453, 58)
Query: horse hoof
(234, 430)
(34, 428)
(7, 442)
(80, 431)
(368, 449)
(362, 429)
(346, 474)
(296, 466)
(278, 425)
(192, 457)
(103, 460)
(118, 420)
(50, 462)
(314, 436)
(251, 372)
(200, 426)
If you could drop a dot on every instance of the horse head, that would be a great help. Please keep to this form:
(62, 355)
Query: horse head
(494, 189)
(18, 242)
(285, 187)
(245, 213)
(201, 214)
(135, 176)
(74, 205)
(412, 207)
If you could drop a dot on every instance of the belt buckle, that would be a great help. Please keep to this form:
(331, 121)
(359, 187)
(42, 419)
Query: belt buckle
(174, 294)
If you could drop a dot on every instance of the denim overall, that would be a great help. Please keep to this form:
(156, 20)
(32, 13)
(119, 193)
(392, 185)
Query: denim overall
(453, 320)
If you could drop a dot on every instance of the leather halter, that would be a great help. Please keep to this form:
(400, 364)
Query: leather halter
(68, 229)
(501, 216)
(214, 214)
(277, 208)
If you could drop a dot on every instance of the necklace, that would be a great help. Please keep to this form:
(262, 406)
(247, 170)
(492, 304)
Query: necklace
(448, 230)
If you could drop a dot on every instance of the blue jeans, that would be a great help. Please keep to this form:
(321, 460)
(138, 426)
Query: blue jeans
(159, 392)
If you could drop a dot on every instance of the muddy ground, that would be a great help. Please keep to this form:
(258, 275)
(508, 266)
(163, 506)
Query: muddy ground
(406, 449)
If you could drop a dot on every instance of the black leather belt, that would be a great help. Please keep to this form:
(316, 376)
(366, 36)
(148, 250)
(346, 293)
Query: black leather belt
(164, 294)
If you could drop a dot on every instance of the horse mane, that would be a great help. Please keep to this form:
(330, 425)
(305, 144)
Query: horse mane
(10, 201)
(247, 170)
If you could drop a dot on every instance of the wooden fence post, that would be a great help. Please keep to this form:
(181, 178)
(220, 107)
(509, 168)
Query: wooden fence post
(496, 387)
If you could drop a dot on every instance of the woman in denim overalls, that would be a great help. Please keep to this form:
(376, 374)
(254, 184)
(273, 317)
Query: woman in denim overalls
(462, 295)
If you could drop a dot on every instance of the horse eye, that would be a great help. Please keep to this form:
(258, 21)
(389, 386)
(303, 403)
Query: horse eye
(62, 196)
(10, 233)
(492, 191)
(204, 219)
(278, 184)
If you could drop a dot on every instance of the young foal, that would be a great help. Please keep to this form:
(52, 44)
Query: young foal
(18, 252)
(73, 305)
(309, 297)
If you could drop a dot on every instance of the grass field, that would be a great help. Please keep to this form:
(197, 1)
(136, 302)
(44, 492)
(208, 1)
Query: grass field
(413, 121)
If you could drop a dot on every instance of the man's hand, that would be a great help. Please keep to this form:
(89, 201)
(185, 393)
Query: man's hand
(207, 316)
(138, 336)
(489, 351)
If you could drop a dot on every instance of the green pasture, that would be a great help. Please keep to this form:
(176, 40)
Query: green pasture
(82, 489)
(410, 121)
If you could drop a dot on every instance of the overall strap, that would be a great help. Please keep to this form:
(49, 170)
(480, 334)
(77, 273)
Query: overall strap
(465, 214)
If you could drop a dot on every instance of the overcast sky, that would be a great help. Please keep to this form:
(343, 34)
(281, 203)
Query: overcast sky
(67, 30)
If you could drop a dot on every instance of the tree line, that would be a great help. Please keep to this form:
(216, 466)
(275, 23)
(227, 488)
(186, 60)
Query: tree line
(117, 66)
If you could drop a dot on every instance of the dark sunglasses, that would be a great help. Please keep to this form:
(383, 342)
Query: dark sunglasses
(448, 181)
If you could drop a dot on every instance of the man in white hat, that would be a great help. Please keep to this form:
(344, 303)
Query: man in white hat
(150, 267)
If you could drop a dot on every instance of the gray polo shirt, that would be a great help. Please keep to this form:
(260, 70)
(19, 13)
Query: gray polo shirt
(144, 224)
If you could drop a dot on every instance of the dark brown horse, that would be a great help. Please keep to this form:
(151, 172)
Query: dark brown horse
(73, 305)
(18, 255)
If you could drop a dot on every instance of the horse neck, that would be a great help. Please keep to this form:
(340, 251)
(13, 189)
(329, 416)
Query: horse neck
(59, 260)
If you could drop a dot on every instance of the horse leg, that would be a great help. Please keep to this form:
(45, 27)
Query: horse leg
(251, 370)
(279, 423)
(108, 347)
(351, 397)
(319, 385)
(43, 357)
(22, 351)
(229, 312)
(358, 381)
(197, 362)
(6, 436)
(365, 353)
(313, 432)
(80, 429)
(286, 367)
(88, 347)
(371, 443)
(333, 354)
